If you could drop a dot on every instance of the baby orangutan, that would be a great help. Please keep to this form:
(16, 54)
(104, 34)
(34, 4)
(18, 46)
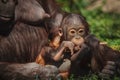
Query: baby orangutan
(67, 47)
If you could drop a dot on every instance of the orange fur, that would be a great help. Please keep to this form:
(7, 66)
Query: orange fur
(40, 59)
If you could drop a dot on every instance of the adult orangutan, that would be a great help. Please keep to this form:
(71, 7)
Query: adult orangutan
(27, 33)
(22, 42)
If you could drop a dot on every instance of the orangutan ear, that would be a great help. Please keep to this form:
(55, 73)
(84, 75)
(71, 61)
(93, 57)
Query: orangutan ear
(60, 32)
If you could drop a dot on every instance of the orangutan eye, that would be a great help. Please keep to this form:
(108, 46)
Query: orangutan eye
(81, 31)
(72, 32)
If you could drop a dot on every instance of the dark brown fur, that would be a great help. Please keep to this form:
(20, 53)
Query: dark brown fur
(26, 37)
(23, 43)
(97, 59)
(101, 55)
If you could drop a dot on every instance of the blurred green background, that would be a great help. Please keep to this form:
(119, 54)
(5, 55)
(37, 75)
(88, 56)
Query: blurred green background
(103, 17)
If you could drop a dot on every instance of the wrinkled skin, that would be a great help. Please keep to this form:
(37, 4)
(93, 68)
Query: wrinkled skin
(7, 9)
(28, 71)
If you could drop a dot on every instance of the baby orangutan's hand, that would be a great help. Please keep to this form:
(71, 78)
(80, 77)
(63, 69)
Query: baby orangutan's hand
(76, 48)
(69, 45)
